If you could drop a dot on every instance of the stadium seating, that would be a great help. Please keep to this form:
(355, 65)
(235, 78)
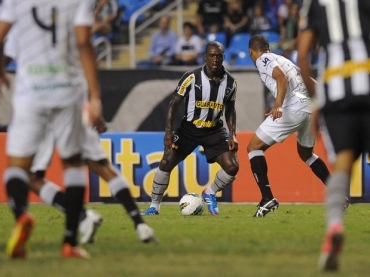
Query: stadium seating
(220, 37)
(274, 39)
(243, 59)
(238, 44)
(131, 6)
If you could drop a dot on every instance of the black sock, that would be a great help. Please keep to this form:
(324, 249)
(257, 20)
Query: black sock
(259, 170)
(60, 202)
(320, 169)
(17, 191)
(74, 202)
(124, 197)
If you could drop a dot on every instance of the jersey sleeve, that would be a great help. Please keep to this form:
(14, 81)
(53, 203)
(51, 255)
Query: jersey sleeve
(85, 13)
(184, 84)
(7, 11)
(233, 93)
(266, 64)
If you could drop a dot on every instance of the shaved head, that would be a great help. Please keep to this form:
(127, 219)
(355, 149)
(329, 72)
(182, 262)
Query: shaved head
(259, 43)
(215, 44)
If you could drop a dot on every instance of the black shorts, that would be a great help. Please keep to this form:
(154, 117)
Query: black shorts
(349, 129)
(213, 140)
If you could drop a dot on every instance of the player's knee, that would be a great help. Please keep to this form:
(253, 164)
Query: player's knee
(232, 168)
(37, 181)
(73, 161)
(304, 153)
(165, 165)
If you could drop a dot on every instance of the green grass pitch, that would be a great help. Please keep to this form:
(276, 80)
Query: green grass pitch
(285, 243)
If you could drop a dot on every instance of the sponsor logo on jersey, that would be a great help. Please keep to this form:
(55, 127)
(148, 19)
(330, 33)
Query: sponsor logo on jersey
(204, 124)
(48, 69)
(182, 89)
(209, 105)
(265, 61)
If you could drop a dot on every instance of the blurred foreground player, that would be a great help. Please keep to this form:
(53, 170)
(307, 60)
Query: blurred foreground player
(49, 91)
(342, 98)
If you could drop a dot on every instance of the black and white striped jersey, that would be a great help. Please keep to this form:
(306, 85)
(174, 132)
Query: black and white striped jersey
(343, 27)
(205, 99)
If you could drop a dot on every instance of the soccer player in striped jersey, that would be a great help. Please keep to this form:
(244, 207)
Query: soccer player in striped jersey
(55, 66)
(208, 92)
(290, 114)
(342, 98)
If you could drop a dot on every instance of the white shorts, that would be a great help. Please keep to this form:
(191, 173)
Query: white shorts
(278, 130)
(91, 150)
(29, 125)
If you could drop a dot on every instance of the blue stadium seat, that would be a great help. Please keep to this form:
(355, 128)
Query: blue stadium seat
(243, 59)
(238, 44)
(131, 6)
(274, 39)
(220, 37)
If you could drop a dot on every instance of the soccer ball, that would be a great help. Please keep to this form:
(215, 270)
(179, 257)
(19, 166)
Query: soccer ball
(191, 204)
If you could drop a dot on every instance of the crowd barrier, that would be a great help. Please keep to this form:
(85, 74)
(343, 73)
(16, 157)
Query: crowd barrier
(136, 155)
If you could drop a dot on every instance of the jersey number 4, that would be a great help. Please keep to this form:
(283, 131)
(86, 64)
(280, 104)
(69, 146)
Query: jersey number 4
(51, 28)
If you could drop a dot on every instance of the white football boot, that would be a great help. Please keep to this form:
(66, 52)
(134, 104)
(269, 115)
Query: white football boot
(89, 225)
(145, 233)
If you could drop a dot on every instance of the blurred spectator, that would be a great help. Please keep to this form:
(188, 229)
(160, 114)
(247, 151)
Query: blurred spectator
(106, 12)
(188, 47)
(289, 30)
(210, 16)
(248, 6)
(273, 6)
(283, 12)
(162, 46)
(259, 21)
(236, 20)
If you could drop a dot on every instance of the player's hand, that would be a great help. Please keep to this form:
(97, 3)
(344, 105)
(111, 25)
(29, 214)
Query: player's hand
(276, 112)
(4, 80)
(233, 143)
(168, 140)
(95, 110)
(315, 126)
(101, 126)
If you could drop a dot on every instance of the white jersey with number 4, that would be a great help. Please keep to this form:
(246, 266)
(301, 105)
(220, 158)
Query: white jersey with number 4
(49, 73)
(296, 98)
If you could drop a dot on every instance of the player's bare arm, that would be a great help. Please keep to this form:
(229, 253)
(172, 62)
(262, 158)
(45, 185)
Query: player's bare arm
(282, 86)
(3, 78)
(171, 112)
(88, 61)
(305, 42)
(4, 29)
(230, 118)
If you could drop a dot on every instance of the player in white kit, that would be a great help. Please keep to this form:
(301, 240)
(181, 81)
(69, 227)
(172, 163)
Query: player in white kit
(53, 41)
(290, 114)
(97, 160)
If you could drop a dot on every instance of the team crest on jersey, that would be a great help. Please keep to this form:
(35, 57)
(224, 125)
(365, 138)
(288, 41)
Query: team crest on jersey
(184, 85)
(265, 61)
